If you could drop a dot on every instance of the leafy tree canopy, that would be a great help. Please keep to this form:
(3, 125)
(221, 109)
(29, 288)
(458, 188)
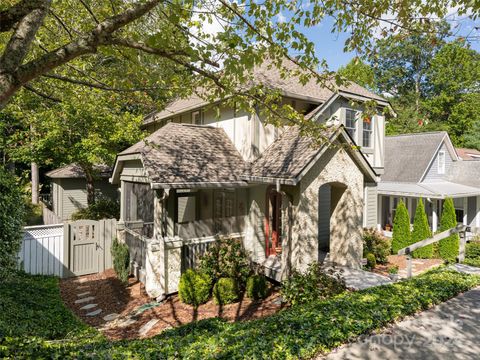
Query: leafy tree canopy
(359, 72)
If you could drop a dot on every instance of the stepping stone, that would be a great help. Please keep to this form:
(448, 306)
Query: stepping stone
(147, 327)
(82, 280)
(94, 313)
(126, 322)
(84, 300)
(83, 294)
(83, 287)
(110, 317)
(88, 307)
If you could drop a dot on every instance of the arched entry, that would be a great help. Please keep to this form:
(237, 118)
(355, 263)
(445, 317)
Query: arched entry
(329, 196)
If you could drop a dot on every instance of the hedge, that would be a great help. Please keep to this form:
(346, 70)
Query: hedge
(421, 231)
(448, 247)
(298, 332)
(401, 236)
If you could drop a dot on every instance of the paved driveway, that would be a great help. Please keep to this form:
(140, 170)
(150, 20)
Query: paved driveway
(448, 331)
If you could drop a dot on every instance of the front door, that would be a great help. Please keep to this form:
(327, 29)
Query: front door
(273, 226)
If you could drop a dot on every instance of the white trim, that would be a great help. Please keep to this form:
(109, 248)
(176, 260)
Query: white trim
(450, 148)
(465, 211)
(186, 185)
(434, 216)
(440, 165)
(477, 217)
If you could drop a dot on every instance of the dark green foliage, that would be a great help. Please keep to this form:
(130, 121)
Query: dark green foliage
(226, 258)
(314, 284)
(472, 250)
(421, 231)
(298, 332)
(377, 244)
(371, 261)
(225, 291)
(31, 306)
(103, 208)
(12, 217)
(257, 287)
(401, 236)
(121, 260)
(448, 247)
(194, 287)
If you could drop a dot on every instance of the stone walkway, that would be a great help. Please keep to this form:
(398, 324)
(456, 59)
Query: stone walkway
(84, 297)
(448, 331)
(358, 279)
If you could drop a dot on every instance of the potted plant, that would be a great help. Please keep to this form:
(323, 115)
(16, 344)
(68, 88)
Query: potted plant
(393, 272)
(388, 227)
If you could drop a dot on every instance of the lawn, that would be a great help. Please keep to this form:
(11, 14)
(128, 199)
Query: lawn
(298, 332)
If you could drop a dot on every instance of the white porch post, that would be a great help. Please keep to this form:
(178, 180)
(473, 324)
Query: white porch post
(477, 217)
(465, 211)
(434, 216)
(123, 204)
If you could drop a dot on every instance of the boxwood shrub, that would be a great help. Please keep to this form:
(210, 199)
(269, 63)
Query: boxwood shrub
(257, 287)
(225, 291)
(194, 287)
(121, 260)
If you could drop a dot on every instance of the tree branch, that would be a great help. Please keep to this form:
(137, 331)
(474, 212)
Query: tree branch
(12, 15)
(41, 94)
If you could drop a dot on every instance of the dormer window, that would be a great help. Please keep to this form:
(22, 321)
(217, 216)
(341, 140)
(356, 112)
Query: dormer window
(351, 122)
(367, 132)
(441, 162)
(197, 117)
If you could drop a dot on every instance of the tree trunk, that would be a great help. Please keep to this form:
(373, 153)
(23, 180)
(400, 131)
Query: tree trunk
(90, 187)
(35, 183)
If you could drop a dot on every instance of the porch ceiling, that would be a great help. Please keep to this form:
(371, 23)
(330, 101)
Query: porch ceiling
(436, 190)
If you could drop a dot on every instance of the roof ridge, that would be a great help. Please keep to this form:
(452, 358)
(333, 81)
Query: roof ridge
(418, 133)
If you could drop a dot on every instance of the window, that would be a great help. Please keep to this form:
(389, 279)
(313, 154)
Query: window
(186, 208)
(197, 117)
(367, 132)
(351, 122)
(441, 162)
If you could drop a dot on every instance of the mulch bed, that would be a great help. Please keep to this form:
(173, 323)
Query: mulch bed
(419, 265)
(112, 297)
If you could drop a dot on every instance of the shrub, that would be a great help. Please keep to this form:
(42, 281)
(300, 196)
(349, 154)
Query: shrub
(225, 291)
(374, 242)
(421, 231)
(12, 217)
(314, 284)
(472, 250)
(371, 261)
(401, 236)
(257, 287)
(121, 260)
(103, 208)
(448, 247)
(393, 269)
(226, 258)
(194, 287)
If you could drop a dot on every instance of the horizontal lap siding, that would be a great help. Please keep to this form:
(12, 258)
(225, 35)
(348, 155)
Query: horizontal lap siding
(371, 205)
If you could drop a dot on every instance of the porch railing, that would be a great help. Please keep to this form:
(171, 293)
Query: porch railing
(137, 247)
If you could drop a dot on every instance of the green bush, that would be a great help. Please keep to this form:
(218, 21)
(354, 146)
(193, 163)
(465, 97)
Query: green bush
(371, 261)
(226, 258)
(12, 217)
(121, 260)
(194, 287)
(374, 242)
(472, 250)
(448, 247)
(401, 236)
(103, 208)
(313, 284)
(225, 291)
(421, 231)
(257, 287)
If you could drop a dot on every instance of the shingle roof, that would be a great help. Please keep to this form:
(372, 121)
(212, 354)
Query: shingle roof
(407, 156)
(287, 156)
(465, 172)
(270, 76)
(438, 189)
(467, 154)
(75, 171)
(184, 153)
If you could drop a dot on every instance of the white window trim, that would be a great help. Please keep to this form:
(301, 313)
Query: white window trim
(355, 138)
(372, 129)
(194, 113)
(441, 166)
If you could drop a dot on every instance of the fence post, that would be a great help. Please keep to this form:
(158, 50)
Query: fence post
(409, 266)
(461, 250)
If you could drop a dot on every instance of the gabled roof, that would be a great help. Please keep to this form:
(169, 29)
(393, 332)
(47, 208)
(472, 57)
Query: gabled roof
(270, 76)
(437, 189)
(465, 172)
(75, 171)
(468, 154)
(292, 155)
(180, 155)
(408, 156)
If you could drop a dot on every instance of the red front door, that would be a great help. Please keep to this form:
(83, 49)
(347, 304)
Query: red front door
(273, 222)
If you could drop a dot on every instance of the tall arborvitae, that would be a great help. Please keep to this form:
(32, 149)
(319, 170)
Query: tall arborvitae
(401, 229)
(421, 231)
(448, 247)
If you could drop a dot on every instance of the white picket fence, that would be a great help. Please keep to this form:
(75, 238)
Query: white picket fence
(42, 250)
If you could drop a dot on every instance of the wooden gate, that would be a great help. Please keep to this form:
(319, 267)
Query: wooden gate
(89, 244)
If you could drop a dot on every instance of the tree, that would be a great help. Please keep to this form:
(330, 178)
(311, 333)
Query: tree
(359, 72)
(421, 231)
(401, 236)
(448, 247)
(12, 216)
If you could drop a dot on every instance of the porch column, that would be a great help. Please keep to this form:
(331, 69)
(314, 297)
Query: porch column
(434, 216)
(409, 208)
(123, 196)
(477, 217)
(465, 211)
(157, 214)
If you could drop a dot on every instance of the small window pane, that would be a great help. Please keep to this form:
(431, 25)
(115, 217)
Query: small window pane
(367, 133)
(441, 162)
(350, 122)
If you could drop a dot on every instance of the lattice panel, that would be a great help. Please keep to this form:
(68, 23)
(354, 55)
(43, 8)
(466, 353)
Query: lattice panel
(43, 231)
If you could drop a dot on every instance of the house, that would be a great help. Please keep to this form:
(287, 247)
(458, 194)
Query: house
(468, 154)
(426, 165)
(209, 170)
(68, 189)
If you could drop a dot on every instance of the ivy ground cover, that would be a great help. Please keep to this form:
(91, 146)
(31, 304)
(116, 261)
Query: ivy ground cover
(298, 332)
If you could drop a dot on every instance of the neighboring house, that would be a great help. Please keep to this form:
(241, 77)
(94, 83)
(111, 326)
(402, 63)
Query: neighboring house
(426, 165)
(69, 189)
(199, 175)
(468, 154)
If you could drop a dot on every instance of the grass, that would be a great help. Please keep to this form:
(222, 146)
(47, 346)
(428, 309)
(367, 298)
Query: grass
(298, 332)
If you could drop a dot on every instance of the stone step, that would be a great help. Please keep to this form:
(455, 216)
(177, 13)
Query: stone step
(111, 317)
(147, 327)
(84, 294)
(84, 300)
(88, 307)
(94, 313)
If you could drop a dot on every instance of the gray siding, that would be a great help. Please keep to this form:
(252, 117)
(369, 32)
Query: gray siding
(371, 205)
(432, 172)
(471, 210)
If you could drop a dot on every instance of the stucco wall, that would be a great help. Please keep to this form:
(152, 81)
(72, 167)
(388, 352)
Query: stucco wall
(335, 166)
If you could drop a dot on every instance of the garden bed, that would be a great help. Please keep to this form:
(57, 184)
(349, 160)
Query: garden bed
(113, 297)
(419, 266)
